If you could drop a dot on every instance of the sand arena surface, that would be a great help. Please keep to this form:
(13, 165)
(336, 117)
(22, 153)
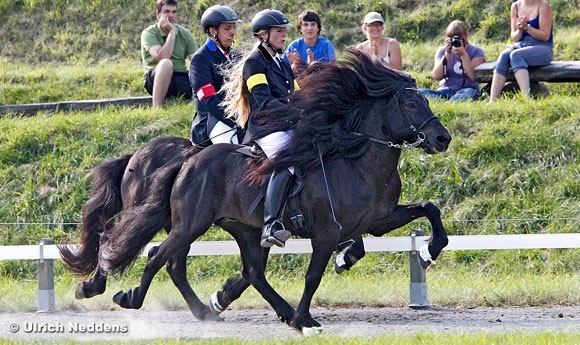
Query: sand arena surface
(263, 323)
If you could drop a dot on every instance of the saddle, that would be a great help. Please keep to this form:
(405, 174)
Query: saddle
(292, 213)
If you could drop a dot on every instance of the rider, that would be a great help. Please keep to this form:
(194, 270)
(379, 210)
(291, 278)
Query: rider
(266, 81)
(210, 125)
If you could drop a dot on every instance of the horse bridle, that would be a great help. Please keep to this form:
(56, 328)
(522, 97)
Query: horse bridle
(420, 135)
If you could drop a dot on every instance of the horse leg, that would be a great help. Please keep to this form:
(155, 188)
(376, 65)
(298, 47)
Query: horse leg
(176, 267)
(321, 254)
(94, 286)
(157, 257)
(98, 283)
(253, 266)
(404, 214)
(439, 238)
(231, 291)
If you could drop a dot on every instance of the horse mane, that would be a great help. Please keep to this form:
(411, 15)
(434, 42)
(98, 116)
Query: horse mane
(334, 98)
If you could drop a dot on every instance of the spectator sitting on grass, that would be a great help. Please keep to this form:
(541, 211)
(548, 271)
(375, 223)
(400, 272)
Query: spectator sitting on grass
(165, 47)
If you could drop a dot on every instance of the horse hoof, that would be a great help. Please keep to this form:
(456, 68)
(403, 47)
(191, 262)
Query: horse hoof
(79, 292)
(119, 297)
(312, 331)
(210, 316)
(152, 252)
(122, 299)
(424, 257)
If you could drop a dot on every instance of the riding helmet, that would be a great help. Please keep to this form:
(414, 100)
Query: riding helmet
(266, 19)
(213, 16)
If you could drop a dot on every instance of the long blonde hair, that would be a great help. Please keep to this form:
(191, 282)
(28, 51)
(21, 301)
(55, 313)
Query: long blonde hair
(236, 103)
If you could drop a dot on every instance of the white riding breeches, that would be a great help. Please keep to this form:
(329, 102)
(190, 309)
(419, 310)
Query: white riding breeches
(222, 133)
(272, 143)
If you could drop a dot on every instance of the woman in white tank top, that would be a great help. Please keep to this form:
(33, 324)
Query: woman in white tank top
(385, 48)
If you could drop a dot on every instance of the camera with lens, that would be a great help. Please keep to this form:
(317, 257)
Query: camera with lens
(456, 41)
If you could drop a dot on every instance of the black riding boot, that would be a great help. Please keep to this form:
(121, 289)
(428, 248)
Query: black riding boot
(274, 232)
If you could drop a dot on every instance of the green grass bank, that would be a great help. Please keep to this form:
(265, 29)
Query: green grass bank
(61, 50)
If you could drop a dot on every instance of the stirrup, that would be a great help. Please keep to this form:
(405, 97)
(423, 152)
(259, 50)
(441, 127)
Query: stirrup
(272, 236)
(278, 238)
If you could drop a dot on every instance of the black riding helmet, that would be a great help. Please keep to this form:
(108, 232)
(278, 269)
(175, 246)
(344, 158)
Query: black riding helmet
(213, 16)
(266, 19)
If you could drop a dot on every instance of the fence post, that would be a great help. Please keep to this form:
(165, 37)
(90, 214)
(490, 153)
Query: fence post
(45, 280)
(418, 285)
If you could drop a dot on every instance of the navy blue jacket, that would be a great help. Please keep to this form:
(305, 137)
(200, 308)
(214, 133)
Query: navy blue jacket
(206, 81)
(267, 86)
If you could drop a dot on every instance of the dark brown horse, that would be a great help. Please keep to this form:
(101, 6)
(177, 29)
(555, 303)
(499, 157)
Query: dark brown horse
(118, 185)
(358, 116)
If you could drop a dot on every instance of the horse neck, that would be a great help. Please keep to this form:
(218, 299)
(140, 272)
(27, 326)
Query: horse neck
(381, 162)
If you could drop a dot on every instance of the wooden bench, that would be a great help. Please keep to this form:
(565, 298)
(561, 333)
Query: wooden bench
(556, 72)
(33, 108)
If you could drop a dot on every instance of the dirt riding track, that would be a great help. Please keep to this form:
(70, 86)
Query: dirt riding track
(262, 323)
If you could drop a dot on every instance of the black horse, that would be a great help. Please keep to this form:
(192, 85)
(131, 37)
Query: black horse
(358, 116)
(118, 185)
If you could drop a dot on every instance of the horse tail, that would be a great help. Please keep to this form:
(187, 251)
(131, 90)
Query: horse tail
(103, 205)
(139, 224)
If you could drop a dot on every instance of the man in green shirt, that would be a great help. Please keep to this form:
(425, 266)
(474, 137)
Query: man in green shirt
(165, 47)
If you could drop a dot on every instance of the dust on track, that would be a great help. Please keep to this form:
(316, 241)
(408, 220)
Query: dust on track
(257, 324)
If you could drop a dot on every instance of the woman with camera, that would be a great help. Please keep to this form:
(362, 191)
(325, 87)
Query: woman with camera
(454, 64)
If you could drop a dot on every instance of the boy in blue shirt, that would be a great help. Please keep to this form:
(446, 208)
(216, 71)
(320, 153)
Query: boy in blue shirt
(311, 46)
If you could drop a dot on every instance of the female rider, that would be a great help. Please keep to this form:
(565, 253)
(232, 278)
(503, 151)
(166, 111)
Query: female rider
(266, 82)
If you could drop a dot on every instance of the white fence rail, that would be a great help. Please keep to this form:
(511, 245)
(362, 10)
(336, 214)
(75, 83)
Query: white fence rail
(45, 253)
(301, 246)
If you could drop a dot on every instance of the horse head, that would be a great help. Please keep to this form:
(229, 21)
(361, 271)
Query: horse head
(411, 122)
(395, 112)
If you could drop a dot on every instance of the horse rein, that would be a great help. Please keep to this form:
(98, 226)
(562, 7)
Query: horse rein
(420, 135)
(420, 140)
